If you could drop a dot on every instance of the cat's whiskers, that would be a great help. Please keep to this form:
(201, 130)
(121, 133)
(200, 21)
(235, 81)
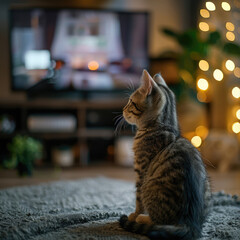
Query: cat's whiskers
(208, 162)
(131, 85)
(119, 124)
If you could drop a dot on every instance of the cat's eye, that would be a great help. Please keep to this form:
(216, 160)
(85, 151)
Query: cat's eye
(135, 105)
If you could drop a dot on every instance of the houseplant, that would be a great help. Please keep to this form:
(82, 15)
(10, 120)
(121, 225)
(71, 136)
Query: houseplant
(195, 46)
(24, 151)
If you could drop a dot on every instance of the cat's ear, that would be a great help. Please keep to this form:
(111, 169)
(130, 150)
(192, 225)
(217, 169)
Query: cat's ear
(159, 79)
(147, 83)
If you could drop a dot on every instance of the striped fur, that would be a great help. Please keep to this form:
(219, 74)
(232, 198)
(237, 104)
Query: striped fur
(172, 187)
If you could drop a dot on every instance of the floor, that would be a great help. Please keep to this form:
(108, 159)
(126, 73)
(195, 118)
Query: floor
(229, 181)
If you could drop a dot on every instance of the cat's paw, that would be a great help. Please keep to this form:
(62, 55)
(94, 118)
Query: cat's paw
(144, 219)
(132, 217)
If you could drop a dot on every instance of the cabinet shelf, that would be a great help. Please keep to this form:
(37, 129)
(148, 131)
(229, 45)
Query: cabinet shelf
(94, 120)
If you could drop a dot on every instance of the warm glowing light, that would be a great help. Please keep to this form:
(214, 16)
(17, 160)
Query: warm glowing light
(238, 113)
(196, 141)
(203, 65)
(236, 127)
(230, 36)
(230, 65)
(236, 92)
(203, 26)
(202, 96)
(210, 6)
(204, 13)
(202, 84)
(237, 72)
(226, 6)
(230, 26)
(218, 74)
(93, 65)
(186, 76)
(202, 131)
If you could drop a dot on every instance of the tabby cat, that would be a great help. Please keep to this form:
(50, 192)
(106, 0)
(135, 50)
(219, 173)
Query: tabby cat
(172, 188)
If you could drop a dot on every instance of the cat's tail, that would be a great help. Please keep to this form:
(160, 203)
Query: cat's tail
(157, 231)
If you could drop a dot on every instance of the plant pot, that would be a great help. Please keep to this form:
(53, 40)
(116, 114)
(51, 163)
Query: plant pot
(24, 169)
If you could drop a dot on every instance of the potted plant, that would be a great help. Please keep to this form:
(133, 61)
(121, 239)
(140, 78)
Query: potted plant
(196, 46)
(24, 151)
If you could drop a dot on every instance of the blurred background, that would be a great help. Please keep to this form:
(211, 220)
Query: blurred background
(67, 69)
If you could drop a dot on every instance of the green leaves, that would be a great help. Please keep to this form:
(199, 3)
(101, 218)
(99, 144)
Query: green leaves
(195, 47)
(232, 49)
(25, 149)
(191, 41)
(214, 37)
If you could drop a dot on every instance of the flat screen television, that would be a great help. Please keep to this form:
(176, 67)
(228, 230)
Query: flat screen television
(80, 49)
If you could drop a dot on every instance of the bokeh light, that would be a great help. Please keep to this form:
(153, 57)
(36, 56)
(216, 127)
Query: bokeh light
(238, 113)
(237, 72)
(226, 6)
(230, 26)
(236, 92)
(203, 26)
(202, 84)
(230, 36)
(93, 65)
(202, 96)
(210, 6)
(230, 65)
(218, 74)
(204, 13)
(203, 65)
(196, 141)
(202, 131)
(236, 127)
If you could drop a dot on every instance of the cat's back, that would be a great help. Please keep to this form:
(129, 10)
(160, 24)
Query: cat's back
(181, 148)
(178, 156)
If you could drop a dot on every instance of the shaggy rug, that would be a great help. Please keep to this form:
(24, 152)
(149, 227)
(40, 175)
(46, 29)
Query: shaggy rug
(89, 209)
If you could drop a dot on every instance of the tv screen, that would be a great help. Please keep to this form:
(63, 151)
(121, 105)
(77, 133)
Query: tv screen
(80, 49)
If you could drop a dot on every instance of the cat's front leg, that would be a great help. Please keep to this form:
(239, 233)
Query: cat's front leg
(139, 207)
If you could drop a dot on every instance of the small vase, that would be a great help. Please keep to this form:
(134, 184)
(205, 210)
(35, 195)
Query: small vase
(24, 169)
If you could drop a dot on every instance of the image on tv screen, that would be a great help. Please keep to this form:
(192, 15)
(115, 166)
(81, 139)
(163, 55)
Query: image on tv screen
(78, 48)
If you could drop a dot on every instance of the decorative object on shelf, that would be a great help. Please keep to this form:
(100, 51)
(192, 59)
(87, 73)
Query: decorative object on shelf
(220, 150)
(7, 124)
(123, 151)
(63, 156)
(24, 151)
(52, 123)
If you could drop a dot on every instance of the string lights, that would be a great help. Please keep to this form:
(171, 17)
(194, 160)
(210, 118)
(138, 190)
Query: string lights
(204, 26)
(230, 65)
(218, 74)
(236, 92)
(226, 6)
(238, 114)
(210, 6)
(220, 69)
(196, 141)
(203, 65)
(202, 84)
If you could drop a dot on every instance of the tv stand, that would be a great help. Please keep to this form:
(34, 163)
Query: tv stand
(95, 126)
(45, 89)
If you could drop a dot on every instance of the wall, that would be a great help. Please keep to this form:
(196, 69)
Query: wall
(164, 13)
